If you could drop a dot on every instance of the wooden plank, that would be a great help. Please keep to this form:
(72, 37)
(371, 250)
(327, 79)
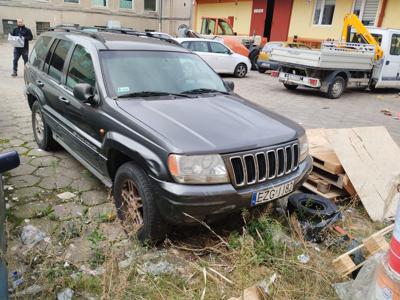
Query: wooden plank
(370, 158)
(322, 152)
(330, 195)
(334, 179)
(348, 186)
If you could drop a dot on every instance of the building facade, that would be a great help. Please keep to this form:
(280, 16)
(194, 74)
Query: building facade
(152, 15)
(323, 19)
(313, 20)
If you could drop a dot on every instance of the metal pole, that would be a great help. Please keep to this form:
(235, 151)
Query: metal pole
(160, 15)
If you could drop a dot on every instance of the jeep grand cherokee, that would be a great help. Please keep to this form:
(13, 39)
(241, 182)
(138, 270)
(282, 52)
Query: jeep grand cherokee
(153, 121)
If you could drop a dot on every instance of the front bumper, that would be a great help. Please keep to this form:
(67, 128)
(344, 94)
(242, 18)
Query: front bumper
(268, 65)
(210, 202)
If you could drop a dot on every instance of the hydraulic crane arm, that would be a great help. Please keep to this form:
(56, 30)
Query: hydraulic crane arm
(352, 21)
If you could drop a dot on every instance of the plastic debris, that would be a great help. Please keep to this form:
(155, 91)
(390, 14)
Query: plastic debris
(31, 235)
(31, 291)
(259, 291)
(66, 195)
(303, 258)
(17, 279)
(65, 294)
(386, 112)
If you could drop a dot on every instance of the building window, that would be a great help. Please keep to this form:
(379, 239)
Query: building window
(150, 5)
(366, 10)
(71, 1)
(323, 13)
(42, 27)
(99, 3)
(126, 4)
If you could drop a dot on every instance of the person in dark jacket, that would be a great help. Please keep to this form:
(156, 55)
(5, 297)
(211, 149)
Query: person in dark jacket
(21, 30)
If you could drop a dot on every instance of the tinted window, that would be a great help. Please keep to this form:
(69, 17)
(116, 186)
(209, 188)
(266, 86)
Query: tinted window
(38, 53)
(81, 68)
(218, 48)
(58, 59)
(198, 46)
(395, 45)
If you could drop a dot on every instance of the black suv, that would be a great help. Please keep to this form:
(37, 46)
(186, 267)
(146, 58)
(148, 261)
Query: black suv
(153, 121)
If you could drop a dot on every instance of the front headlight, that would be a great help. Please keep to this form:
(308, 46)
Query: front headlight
(198, 169)
(303, 142)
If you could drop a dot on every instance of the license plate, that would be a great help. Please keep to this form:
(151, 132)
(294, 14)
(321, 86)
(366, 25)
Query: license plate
(293, 77)
(272, 193)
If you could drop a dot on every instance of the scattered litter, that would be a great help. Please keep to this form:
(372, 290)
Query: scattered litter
(66, 264)
(258, 291)
(31, 235)
(386, 112)
(15, 198)
(17, 279)
(66, 196)
(161, 267)
(65, 294)
(317, 249)
(30, 291)
(27, 220)
(9, 187)
(303, 258)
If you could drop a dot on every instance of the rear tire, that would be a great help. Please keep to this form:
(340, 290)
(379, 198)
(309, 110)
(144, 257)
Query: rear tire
(291, 87)
(136, 205)
(262, 70)
(41, 131)
(240, 70)
(336, 88)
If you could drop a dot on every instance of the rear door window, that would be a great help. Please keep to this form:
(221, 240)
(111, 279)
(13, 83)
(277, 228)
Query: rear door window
(218, 48)
(38, 53)
(81, 68)
(200, 46)
(57, 60)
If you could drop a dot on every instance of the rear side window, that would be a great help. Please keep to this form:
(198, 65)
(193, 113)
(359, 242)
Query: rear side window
(38, 53)
(198, 46)
(218, 48)
(395, 45)
(58, 59)
(185, 45)
(81, 68)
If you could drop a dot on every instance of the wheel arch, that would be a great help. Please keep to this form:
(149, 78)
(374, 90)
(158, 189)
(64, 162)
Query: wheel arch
(121, 149)
(34, 94)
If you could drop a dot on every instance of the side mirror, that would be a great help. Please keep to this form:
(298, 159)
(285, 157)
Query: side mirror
(230, 85)
(9, 161)
(84, 92)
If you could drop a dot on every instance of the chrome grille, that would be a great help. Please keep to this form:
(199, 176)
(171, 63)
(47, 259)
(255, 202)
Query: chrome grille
(253, 167)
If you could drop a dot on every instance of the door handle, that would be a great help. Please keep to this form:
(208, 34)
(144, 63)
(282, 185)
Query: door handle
(40, 83)
(387, 62)
(63, 99)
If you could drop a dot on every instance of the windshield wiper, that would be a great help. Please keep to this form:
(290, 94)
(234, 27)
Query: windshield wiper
(150, 94)
(204, 91)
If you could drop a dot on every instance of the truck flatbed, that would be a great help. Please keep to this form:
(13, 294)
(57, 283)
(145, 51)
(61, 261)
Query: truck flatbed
(332, 56)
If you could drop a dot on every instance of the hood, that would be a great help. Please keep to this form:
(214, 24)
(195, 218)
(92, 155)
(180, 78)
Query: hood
(215, 124)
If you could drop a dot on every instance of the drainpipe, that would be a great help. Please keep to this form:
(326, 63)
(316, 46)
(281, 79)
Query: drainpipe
(382, 13)
(160, 16)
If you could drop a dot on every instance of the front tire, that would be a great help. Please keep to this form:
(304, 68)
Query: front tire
(240, 70)
(136, 204)
(336, 88)
(41, 131)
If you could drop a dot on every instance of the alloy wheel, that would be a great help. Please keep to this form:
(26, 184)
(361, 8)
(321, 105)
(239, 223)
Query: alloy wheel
(39, 126)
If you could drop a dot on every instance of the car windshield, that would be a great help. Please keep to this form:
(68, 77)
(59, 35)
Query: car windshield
(157, 72)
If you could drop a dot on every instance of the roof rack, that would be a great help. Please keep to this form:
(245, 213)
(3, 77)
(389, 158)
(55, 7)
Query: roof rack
(80, 30)
(148, 34)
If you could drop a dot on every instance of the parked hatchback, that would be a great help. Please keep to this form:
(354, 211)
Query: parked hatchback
(263, 61)
(222, 59)
(153, 121)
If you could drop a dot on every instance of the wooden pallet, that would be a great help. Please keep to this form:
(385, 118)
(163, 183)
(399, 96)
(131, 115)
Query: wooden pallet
(344, 264)
(334, 179)
(332, 194)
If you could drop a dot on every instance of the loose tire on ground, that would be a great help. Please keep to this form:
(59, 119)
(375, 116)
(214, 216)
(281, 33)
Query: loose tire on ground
(240, 70)
(136, 205)
(336, 88)
(291, 87)
(41, 131)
